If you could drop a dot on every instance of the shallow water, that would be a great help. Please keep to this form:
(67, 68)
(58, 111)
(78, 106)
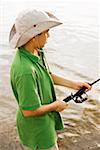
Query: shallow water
(72, 52)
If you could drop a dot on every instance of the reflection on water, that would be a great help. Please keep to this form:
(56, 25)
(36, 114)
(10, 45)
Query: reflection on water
(87, 117)
(82, 126)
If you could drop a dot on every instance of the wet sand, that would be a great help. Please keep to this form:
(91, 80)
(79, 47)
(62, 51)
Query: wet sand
(68, 140)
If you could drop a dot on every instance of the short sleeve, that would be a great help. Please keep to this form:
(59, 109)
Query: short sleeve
(27, 91)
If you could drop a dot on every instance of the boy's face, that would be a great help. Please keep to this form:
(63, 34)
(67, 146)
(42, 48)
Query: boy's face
(41, 39)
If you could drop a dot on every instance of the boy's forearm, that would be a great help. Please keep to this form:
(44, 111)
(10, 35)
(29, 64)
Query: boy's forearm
(63, 82)
(39, 111)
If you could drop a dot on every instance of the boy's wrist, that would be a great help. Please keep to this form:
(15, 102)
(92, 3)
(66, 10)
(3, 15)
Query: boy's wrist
(53, 106)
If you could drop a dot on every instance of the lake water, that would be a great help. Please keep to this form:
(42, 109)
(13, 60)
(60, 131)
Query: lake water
(72, 52)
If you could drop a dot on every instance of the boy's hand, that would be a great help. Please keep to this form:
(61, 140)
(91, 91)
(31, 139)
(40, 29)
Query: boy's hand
(79, 85)
(59, 105)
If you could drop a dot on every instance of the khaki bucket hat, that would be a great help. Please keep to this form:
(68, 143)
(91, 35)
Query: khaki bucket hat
(30, 23)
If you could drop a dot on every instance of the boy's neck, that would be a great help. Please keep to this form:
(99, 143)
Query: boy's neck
(31, 49)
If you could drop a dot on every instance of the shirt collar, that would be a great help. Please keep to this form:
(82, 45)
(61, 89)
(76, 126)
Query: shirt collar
(28, 54)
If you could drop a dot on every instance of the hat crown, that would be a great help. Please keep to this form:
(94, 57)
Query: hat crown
(30, 23)
(29, 18)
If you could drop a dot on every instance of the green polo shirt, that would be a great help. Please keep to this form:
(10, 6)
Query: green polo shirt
(33, 87)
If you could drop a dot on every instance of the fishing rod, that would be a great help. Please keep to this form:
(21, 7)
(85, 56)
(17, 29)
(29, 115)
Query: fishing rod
(80, 96)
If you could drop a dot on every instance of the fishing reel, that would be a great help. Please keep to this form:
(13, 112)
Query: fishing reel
(80, 96)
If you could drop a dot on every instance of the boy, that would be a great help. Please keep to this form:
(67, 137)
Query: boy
(32, 83)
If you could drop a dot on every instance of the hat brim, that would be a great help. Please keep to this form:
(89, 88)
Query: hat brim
(18, 40)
